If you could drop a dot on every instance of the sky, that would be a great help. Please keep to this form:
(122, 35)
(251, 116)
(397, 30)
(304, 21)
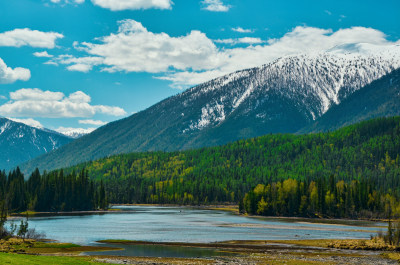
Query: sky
(83, 63)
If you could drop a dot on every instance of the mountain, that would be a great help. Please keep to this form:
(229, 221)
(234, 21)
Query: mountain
(74, 133)
(20, 142)
(381, 98)
(280, 97)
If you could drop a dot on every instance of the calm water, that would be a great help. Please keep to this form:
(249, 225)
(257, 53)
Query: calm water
(180, 224)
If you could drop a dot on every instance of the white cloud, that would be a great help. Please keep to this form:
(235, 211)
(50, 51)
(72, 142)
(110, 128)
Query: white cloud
(117, 5)
(28, 102)
(9, 75)
(82, 64)
(30, 122)
(28, 37)
(194, 58)
(215, 6)
(242, 30)
(3, 97)
(134, 49)
(245, 40)
(35, 94)
(84, 68)
(92, 122)
(42, 54)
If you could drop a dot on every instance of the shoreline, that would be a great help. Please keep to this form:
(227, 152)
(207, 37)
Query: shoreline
(216, 207)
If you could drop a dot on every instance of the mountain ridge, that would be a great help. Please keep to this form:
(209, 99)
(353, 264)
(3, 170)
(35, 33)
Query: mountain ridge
(283, 96)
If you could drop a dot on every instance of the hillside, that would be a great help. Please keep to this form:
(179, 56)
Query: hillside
(20, 142)
(280, 97)
(368, 152)
(381, 98)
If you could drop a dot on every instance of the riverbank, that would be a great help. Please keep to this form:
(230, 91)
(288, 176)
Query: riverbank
(70, 213)
(243, 252)
(28, 251)
(322, 251)
(262, 252)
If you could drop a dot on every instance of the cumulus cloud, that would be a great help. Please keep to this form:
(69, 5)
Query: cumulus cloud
(33, 102)
(117, 5)
(215, 6)
(42, 54)
(135, 49)
(242, 30)
(30, 122)
(93, 122)
(194, 58)
(9, 75)
(28, 37)
(300, 40)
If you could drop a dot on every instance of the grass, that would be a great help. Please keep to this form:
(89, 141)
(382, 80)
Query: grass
(15, 245)
(54, 245)
(17, 259)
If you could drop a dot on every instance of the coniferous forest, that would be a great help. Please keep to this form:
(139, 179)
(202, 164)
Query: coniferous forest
(353, 172)
(50, 192)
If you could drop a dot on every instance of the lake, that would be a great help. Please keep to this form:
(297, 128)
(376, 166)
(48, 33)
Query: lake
(185, 224)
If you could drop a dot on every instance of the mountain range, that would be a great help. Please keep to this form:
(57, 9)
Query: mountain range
(20, 142)
(299, 93)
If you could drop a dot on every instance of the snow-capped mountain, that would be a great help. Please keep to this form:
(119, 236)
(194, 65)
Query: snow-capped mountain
(312, 83)
(282, 96)
(74, 133)
(20, 142)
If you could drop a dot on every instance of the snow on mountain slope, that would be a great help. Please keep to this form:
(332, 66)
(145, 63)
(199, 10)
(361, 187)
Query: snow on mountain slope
(74, 132)
(20, 142)
(314, 82)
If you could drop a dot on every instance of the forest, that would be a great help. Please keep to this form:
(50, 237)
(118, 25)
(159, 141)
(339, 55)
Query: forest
(351, 172)
(50, 192)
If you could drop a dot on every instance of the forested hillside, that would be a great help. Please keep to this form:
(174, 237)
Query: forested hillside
(362, 161)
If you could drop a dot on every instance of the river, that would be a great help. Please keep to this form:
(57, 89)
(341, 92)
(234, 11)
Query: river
(185, 224)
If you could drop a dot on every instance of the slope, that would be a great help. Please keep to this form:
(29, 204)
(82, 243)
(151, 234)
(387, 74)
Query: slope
(381, 98)
(20, 142)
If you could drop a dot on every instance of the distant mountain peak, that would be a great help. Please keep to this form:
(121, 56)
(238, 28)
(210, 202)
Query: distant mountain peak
(20, 142)
(74, 132)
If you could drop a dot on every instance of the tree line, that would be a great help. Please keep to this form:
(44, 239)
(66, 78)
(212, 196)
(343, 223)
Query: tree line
(52, 192)
(321, 198)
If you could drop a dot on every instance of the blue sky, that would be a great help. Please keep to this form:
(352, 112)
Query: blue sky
(82, 63)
